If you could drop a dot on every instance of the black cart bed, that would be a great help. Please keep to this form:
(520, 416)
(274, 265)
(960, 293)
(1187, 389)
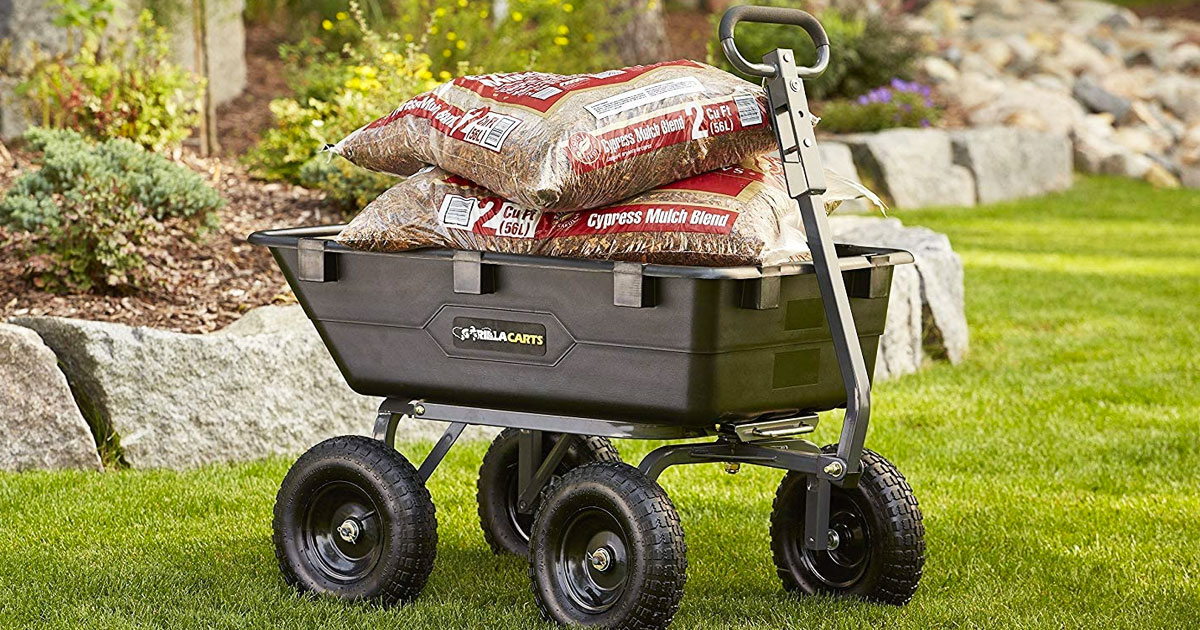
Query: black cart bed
(654, 344)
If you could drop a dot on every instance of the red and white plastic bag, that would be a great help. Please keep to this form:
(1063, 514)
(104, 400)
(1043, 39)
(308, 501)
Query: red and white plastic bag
(560, 143)
(739, 215)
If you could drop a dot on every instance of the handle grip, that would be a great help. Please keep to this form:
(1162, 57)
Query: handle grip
(773, 15)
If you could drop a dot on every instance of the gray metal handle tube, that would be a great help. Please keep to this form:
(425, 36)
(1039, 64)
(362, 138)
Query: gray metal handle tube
(841, 326)
(773, 15)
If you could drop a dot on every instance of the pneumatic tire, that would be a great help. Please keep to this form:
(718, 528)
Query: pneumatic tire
(505, 528)
(878, 529)
(354, 520)
(607, 550)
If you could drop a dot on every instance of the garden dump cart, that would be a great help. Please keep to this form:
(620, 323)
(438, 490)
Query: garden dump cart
(564, 355)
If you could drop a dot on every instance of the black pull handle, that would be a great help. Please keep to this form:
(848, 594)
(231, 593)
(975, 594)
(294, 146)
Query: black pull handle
(773, 15)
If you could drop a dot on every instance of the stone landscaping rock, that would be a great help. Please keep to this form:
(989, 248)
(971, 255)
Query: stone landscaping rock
(1032, 107)
(1012, 163)
(1091, 151)
(1181, 95)
(1126, 164)
(944, 322)
(1097, 99)
(41, 424)
(912, 167)
(1050, 63)
(264, 385)
(838, 158)
(900, 348)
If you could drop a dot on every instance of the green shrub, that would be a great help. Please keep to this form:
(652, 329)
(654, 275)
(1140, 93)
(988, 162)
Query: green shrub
(348, 74)
(348, 186)
(338, 93)
(898, 104)
(87, 216)
(565, 36)
(865, 51)
(115, 83)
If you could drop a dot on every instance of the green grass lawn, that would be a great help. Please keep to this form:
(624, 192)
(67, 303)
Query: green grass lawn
(1058, 469)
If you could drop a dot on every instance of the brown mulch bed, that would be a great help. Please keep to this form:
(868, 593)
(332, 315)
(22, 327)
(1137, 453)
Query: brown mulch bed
(208, 283)
(241, 122)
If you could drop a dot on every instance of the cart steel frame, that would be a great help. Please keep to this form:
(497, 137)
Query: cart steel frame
(771, 442)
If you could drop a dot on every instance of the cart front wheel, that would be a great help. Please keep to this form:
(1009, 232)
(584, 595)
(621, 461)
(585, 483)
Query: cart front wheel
(354, 520)
(505, 528)
(607, 550)
(876, 537)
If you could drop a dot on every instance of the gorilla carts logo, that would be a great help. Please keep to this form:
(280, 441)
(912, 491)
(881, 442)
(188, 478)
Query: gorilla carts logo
(499, 336)
(583, 148)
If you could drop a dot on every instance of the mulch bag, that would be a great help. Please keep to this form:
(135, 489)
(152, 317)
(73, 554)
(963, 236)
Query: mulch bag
(554, 142)
(739, 215)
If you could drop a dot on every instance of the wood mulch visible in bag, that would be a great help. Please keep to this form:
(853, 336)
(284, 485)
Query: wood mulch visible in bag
(211, 282)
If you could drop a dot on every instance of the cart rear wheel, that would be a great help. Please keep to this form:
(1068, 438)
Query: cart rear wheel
(607, 550)
(354, 520)
(876, 535)
(505, 528)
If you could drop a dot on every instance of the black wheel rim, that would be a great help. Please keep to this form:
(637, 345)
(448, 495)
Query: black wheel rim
(522, 524)
(843, 566)
(592, 535)
(343, 531)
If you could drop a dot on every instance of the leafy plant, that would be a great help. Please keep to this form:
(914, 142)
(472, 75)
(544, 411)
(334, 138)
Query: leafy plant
(114, 84)
(865, 50)
(86, 216)
(898, 104)
(348, 74)
(339, 92)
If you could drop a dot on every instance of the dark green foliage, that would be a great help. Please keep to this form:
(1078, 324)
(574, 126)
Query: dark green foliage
(85, 216)
(865, 51)
(349, 187)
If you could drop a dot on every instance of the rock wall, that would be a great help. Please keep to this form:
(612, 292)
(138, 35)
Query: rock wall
(1125, 90)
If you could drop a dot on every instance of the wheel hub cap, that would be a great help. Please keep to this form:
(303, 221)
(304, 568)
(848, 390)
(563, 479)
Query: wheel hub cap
(601, 559)
(592, 560)
(349, 531)
(342, 532)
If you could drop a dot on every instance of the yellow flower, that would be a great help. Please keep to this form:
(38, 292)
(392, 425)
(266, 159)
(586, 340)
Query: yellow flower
(433, 30)
(327, 25)
(440, 12)
(425, 74)
(517, 17)
(483, 14)
(367, 72)
(460, 44)
(408, 37)
(446, 53)
(568, 7)
(444, 75)
(462, 3)
(451, 36)
(342, 15)
(561, 41)
(563, 30)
